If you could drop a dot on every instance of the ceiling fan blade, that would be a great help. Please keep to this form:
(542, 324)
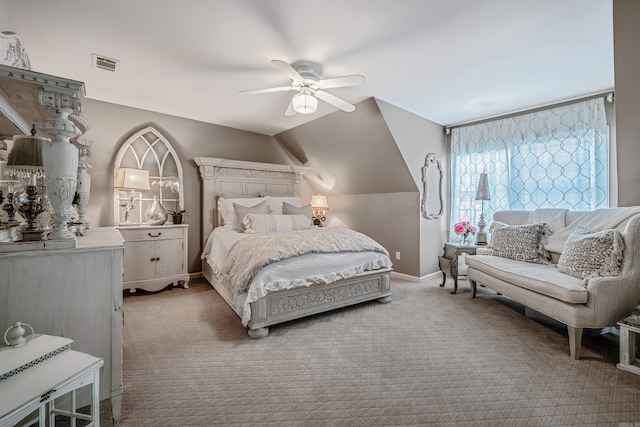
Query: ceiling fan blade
(335, 101)
(353, 80)
(290, 111)
(266, 90)
(287, 69)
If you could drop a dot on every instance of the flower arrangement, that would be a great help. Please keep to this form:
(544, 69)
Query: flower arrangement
(464, 228)
(171, 182)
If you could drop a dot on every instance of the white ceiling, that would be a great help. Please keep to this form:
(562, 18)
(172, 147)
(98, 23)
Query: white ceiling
(449, 61)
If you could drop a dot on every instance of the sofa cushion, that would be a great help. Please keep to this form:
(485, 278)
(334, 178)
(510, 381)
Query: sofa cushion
(591, 253)
(520, 242)
(544, 279)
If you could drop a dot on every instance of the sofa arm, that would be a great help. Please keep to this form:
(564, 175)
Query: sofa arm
(484, 251)
(612, 298)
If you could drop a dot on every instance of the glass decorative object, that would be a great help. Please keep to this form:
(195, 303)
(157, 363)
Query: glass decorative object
(156, 213)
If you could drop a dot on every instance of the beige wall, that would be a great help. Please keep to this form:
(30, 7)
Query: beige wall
(355, 161)
(4, 18)
(388, 218)
(416, 137)
(111, 125)
(626, 37)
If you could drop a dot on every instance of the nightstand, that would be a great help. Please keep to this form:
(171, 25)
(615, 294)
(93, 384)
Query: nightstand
(449, 261)
(155, 256)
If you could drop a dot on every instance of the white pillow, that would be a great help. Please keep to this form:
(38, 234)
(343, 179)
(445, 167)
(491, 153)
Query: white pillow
(261, 223)
(228, 215)
(275, 203)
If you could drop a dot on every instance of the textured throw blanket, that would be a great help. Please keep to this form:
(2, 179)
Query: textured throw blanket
(600, 219)
(249, 255)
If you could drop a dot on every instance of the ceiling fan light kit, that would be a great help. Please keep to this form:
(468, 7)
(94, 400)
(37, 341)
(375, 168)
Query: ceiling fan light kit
(305, 79)
(304, 103)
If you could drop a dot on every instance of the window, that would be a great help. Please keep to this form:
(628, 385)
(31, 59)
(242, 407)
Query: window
(556, 158)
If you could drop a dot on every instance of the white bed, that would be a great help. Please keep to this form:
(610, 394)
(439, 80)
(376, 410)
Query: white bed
(291, 288)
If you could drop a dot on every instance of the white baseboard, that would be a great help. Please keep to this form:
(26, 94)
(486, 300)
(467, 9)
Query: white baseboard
(408, 278)
(195, 275)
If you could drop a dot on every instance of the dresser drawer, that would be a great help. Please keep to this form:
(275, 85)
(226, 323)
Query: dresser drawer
(152, 233)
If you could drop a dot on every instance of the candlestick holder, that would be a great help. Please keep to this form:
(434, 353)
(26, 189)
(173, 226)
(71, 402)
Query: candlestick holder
(8, 206)
(29, 204)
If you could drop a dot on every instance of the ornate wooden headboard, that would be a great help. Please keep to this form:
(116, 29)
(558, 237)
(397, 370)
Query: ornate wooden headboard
(237, 178)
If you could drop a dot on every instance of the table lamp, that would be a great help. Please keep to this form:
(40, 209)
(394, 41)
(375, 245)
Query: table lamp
(131, 180)
(319, 206)
(25, 161)
(482, 194)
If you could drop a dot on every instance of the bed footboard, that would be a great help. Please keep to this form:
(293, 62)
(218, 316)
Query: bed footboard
(289, 304)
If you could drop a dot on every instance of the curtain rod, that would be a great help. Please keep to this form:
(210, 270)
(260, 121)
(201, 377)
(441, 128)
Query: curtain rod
(609, 95)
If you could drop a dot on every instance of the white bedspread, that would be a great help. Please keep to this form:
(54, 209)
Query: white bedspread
(305, 270)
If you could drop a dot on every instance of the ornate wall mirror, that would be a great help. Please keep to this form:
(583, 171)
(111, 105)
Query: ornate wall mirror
(432, 205)
(149, 150)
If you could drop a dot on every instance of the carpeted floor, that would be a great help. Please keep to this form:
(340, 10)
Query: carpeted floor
(428, 358)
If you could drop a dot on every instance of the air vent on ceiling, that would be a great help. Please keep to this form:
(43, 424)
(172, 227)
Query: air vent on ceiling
(104, 63)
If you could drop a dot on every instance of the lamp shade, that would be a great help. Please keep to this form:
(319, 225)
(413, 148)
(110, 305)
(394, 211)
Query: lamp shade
(25, 157)
(319, 202)
(132, 179)
(305, 103)
(483, 188)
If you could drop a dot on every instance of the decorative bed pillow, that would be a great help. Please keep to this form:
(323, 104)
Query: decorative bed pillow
(226, 213)
(288, 209)
(591, 253)
(520, 242)
(261, 223)
(275, 203)
(242, 211)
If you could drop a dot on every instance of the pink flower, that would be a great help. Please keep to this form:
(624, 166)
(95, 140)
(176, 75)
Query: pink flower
(459, 228)
(464, 227)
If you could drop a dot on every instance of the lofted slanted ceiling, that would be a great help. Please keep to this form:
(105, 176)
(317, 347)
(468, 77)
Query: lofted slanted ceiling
(347, 152)
(448, 61)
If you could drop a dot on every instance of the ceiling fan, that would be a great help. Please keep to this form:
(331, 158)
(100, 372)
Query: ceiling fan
(305, 79)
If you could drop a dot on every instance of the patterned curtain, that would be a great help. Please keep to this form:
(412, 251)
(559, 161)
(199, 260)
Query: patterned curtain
(556, 158)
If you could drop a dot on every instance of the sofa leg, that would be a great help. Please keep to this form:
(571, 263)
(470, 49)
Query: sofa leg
(575, 341)
(473, 288)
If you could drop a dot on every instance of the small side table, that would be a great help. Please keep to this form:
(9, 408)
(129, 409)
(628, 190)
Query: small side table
(449, 261)
(630, 342)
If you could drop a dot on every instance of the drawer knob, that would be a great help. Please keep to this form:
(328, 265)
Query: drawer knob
(155, 235)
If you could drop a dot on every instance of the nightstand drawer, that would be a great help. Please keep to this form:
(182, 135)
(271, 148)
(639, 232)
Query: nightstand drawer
(151, 233)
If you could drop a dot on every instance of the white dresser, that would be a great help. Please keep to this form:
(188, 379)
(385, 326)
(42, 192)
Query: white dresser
(74, 293)
(155, 256)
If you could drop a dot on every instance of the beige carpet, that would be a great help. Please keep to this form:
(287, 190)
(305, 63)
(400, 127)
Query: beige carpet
(428, 358)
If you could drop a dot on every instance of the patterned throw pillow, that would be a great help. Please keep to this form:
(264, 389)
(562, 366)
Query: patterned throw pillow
(289, 209)
(520, 242)
(591, 253)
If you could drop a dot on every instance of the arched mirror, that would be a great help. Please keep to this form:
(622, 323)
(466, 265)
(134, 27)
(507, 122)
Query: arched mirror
(149, 150)
(432, 205)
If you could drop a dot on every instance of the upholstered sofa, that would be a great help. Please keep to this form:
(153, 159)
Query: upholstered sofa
(579, 303)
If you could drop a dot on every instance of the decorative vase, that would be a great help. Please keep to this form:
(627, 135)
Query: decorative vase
(156, 213)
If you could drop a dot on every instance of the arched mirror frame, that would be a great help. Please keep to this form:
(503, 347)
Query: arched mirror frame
(431, 160)
(149, 149)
